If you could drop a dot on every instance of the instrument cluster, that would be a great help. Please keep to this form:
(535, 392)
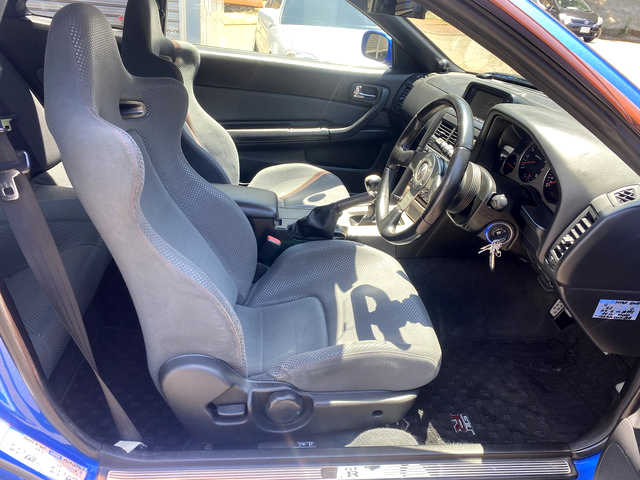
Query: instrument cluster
(523, 161)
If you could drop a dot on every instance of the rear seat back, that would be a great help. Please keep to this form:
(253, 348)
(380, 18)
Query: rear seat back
(83, 252)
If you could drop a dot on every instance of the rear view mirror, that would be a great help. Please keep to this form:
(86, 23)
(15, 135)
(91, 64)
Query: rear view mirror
(378, 46)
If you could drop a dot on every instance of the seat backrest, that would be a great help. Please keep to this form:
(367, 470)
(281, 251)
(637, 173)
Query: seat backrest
(83, 252)
(186, 250)
(29, 130)
(146, 52)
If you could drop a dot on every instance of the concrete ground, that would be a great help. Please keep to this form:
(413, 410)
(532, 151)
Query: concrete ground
(622, 55)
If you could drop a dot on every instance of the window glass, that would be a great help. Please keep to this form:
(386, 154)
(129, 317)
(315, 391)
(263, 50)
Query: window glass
(328, 13)
(461, 49)
(323, 30)
(113, 9)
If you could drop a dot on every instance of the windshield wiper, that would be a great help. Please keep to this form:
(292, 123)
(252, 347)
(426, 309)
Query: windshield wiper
(506, 77)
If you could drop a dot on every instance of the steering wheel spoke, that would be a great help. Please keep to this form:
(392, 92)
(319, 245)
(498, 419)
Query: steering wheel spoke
(428, 185)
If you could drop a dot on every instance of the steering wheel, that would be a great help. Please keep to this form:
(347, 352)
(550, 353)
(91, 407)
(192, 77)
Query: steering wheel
(429, 183)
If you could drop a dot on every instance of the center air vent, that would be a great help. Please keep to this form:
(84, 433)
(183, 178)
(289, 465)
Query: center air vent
(571, 236)
(447, 132)
(624, 195)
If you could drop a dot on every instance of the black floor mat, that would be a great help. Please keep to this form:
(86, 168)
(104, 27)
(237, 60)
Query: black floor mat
(467, 302)
(120, 355)
(517, 392)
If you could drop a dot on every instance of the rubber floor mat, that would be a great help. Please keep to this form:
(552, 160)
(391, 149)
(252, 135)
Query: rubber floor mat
(517, 392)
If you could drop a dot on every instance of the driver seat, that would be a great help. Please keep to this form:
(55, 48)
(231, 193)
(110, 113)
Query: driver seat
(333, 336)
(208, 147)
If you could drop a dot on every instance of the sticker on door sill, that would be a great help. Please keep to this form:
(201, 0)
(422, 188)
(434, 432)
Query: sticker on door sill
(37, 456)
(461, 423)
(617, 310)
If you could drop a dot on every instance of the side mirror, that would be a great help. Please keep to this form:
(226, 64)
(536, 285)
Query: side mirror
(378, 46)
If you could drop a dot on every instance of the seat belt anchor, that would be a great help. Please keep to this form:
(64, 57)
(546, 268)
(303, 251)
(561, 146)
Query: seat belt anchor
(6, 124)
(9, 172)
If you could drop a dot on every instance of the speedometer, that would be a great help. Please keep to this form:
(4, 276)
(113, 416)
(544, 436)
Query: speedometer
(531, 164)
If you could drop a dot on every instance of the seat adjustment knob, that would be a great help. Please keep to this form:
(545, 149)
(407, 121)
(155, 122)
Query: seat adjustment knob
(284, 406)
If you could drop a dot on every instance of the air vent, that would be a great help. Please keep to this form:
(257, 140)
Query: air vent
(625, 195)
(397, 105)
(447, 132)
(571, 236)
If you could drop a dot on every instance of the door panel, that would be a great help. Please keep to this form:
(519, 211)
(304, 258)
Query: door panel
(252, 93)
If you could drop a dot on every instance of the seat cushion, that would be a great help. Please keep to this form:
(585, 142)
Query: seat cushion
(379, 333)
(300, 184)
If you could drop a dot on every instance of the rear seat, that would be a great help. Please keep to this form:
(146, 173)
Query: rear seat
(83, 252)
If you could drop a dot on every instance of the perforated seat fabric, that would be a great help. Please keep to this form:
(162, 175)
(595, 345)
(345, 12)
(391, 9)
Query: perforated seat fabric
(379, 335)
(327, 316)
(209, 148)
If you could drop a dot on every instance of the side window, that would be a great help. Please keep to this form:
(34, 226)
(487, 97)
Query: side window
(113, 9)
(322, 30)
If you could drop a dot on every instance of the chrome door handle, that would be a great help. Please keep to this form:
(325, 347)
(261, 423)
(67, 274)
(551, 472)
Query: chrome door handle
(360, 93)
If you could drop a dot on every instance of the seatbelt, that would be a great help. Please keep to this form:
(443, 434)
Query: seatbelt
(39, 249)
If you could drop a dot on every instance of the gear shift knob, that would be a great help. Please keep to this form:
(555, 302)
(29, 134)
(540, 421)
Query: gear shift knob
(372, 184)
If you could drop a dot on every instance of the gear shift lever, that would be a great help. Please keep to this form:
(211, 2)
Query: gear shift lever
(372, 184)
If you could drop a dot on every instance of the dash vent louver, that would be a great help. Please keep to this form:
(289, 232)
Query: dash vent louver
(397, 105)
(571, 236)
(447, 132)
(625, 195)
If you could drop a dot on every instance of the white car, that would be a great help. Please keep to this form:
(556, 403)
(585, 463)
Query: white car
(328, 31)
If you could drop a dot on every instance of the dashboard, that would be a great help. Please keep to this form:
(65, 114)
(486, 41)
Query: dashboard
(573, 206)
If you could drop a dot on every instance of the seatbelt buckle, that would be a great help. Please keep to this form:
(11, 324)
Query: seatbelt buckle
(8, 174)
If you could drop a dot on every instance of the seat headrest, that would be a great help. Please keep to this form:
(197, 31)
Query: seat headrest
(144, 44)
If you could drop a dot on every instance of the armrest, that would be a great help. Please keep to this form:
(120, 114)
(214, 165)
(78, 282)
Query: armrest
(254, 202)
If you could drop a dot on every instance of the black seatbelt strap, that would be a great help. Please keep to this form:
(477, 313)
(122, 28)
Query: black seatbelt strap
(39, 249)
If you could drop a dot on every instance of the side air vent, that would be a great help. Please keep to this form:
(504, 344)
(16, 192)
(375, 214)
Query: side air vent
(402, 96)
(624, 195)
(571, 236)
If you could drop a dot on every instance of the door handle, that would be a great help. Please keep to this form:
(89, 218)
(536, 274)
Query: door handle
(365, 92)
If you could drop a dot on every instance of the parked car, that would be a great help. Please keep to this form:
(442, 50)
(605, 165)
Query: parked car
(325, 31)
(479, 320)
(577, 16)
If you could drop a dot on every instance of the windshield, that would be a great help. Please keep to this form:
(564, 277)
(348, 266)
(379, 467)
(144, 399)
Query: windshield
(574, 5)
(462, 50)
(326, 13)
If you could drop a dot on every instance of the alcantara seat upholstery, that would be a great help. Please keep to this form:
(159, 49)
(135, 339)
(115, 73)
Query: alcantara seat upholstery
(329, 321)
(208, 147)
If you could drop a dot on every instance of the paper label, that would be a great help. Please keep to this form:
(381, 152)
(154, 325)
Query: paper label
(617, 310)
(37, 456)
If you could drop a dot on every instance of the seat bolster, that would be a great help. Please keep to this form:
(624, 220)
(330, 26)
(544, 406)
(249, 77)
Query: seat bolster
(300, 184)
(362, 366)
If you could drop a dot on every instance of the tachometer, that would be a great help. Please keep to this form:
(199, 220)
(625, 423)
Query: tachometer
(531, 164)
(550, 189)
